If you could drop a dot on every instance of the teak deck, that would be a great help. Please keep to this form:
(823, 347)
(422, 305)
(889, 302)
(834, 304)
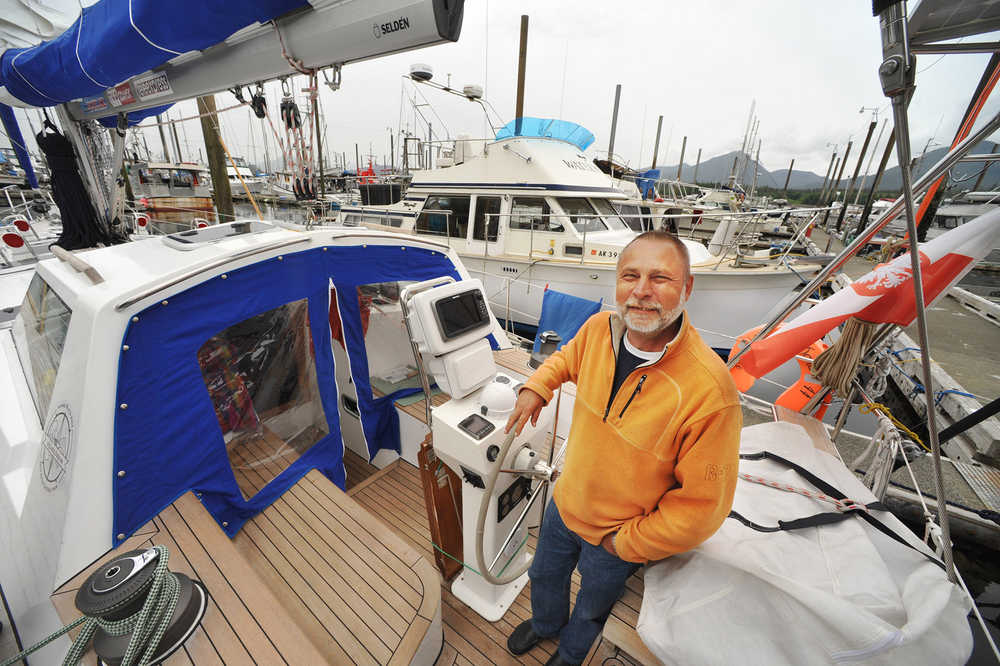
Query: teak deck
(327, 577)
(312, 579)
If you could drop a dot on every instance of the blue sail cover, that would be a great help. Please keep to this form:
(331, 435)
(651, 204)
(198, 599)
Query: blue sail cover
(115, 39)
(548, 128)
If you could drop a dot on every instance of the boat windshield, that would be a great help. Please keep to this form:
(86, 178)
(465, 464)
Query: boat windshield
(582, 214)
(40, 330)
(611, 218)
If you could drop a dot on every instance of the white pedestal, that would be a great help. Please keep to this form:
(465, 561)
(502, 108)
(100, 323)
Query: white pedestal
(490, 601)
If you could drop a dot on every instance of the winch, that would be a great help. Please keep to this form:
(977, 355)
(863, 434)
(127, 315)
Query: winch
(138, 585)
(135, 609)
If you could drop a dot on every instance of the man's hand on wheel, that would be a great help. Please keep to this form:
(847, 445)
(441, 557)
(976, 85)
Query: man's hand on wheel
(529, 406)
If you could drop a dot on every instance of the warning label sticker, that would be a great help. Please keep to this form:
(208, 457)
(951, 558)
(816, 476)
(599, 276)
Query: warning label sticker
(92, 104)
(152, 86)
(120, 95)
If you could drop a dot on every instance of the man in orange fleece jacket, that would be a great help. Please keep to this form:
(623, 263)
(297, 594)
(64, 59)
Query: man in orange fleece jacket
(652, 459)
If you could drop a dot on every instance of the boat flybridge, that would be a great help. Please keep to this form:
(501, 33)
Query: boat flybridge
(531, 210)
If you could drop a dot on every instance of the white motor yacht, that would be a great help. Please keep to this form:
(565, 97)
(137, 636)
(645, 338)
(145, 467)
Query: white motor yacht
(530, 212)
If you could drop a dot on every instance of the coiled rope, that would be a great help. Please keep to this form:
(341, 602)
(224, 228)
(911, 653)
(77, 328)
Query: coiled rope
(147, 626)
(869, 408)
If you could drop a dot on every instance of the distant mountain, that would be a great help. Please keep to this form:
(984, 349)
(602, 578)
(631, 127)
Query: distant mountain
(717, 170)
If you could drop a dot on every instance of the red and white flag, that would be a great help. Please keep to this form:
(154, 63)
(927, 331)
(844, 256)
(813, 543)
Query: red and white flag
(884, 295)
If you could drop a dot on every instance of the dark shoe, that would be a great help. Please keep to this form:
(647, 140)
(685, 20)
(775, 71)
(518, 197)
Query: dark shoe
(556, 660)
(523, 638)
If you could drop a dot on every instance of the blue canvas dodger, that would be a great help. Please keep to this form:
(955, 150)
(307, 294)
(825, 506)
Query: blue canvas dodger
(169, 441)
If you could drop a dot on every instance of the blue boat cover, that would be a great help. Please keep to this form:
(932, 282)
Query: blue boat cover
(169, 441)
(564, 314)
(646, 182)
(17, 142)
(113, 40)
(549, 128)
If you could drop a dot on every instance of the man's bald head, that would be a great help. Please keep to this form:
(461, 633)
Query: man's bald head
(660, 236)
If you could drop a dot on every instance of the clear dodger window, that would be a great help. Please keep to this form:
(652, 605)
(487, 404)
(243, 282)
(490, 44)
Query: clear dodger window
(261, 378)
(41, 333)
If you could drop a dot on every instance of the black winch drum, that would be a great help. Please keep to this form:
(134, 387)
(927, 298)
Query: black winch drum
(119, 588)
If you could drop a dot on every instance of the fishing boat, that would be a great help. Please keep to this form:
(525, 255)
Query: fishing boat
(530, 210)
(171, 193)
(242, 178)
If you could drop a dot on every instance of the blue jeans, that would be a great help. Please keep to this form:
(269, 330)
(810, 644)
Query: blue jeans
(602, 582)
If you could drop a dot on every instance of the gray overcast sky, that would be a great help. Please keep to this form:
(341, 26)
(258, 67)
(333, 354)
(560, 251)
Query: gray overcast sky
(810, 66)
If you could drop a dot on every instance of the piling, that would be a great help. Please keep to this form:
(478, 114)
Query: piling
(863, 221)
(696, 165)
(826, 178)
(857, 170)
(787, 178)
(656, 144)
(680, 164)
(614, 121)
(832, 194)
(221, 193)
(522, 60)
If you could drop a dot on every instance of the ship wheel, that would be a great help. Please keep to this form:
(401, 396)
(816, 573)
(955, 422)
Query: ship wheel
(546, 475)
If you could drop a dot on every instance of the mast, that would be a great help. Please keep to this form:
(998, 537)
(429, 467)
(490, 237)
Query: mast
(756, 170)
(696, 165)
(163, 138)
(746, 133)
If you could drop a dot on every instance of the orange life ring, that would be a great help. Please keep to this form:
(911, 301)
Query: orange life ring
(798, 394)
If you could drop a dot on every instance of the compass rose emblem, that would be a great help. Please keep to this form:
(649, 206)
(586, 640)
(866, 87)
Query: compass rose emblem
(57, 444)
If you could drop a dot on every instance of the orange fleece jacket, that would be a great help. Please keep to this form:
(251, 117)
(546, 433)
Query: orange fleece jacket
(659, 463)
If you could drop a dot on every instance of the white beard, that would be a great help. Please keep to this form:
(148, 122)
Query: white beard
(651, 326)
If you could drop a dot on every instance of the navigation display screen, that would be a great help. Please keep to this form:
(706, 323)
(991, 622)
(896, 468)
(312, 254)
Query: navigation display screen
(461, 313)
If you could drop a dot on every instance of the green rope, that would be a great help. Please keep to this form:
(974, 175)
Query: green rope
(467, 566)
(437, 548)
(147, 626)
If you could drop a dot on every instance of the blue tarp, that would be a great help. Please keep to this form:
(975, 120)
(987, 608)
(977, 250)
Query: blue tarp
(564, 314)
(113, 40)
(169, 441)
(646, 182)
(549, 128)
(17, 142)
(134, 117)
